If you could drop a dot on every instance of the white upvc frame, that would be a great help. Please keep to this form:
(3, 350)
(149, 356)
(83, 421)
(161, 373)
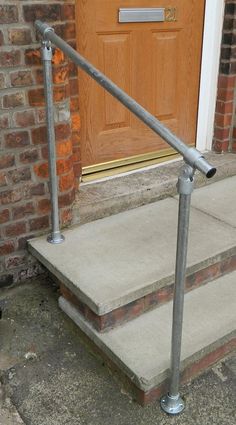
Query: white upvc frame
(214, 14)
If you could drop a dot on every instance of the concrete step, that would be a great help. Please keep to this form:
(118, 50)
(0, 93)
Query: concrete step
(140, 349)
(118, 267)
(110, 196)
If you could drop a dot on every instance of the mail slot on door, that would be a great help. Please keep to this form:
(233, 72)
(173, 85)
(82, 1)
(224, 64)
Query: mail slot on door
(150, 14)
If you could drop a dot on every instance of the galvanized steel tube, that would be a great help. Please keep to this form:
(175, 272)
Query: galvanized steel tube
(191, 155)
(46, 53)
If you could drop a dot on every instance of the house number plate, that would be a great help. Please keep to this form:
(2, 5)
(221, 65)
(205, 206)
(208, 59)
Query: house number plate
(150, 14)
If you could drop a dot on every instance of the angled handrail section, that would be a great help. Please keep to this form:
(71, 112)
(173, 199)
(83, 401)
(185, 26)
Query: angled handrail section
(172, 402)
(191, 155)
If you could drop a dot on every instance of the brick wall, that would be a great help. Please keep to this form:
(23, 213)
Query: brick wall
(24, 192)
(225, 132)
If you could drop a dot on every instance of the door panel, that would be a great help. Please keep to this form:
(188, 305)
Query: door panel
(157, 63)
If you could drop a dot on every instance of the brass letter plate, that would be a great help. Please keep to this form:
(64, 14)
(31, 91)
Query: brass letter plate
(151, 14)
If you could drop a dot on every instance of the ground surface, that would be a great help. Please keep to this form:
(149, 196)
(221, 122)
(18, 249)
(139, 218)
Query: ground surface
(50, 377)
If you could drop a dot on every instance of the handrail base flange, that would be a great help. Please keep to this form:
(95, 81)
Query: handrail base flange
(173, 405)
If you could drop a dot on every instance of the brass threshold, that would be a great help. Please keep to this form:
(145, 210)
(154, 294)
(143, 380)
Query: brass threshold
(111, 168)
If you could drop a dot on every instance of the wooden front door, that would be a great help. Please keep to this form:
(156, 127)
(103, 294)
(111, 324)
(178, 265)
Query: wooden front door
(157, 63)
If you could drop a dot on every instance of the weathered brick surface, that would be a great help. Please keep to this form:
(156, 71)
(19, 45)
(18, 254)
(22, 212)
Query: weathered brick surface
(25, 207)
(225, 106)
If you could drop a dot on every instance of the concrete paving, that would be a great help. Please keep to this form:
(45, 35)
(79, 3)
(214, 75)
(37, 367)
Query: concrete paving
(113, 261)
(141, 347)
(218, 200)
(64, 384)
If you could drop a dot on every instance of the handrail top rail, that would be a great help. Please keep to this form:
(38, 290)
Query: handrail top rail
(191, 155)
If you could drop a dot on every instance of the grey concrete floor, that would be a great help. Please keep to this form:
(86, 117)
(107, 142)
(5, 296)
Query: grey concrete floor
(50, 376)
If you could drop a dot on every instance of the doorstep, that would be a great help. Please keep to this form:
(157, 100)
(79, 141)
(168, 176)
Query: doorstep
(110, 196)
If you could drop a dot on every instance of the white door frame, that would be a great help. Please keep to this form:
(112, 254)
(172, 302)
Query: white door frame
(214, 15)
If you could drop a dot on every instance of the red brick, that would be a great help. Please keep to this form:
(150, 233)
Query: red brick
(225, 95)
(41, 170)
(2, 80)
(10, 58)
(8, 14)
(74, 104)
(224, 107)
(20, 36)
(226, 81)
(33, 57)
(66, 217)
(66, 182)
(29, 156)
(17, 139)
(66, 199)
(36, 97)
(4, 121)
(38, 76)
(23, 210)
(60, 74)
(21, 78)
(37, 189)
(7, 248)
(19, 174)
(69, 31)
(64, 166)
(44, 12)
(64, 148)
(39, 223)
(77, 172)
(73, 70)
(7, 161)
(10, 197)
(220, 147)
(221, 133)
(39, 135)
(44, 206)
(14, 100)
(41, 116)
(1, 38)
(24, 118)
(222, 120)
(3, 179)
(62, 131)
(15, 229)
(76, 123)
(68, 12)
(4, 216)
(60, 93)
(74, 86)
(58, 57)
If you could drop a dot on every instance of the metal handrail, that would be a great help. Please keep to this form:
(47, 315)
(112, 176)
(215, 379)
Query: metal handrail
(172, 403)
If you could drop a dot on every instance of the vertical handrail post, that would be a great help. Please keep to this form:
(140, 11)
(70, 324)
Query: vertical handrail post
(46, 53)
(172, 403)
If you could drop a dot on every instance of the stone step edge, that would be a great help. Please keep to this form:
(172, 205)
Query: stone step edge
(190, 367)
(120, 315)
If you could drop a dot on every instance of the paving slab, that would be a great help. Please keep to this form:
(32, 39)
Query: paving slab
(218, 200)
(141, 348)
(113, 261)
